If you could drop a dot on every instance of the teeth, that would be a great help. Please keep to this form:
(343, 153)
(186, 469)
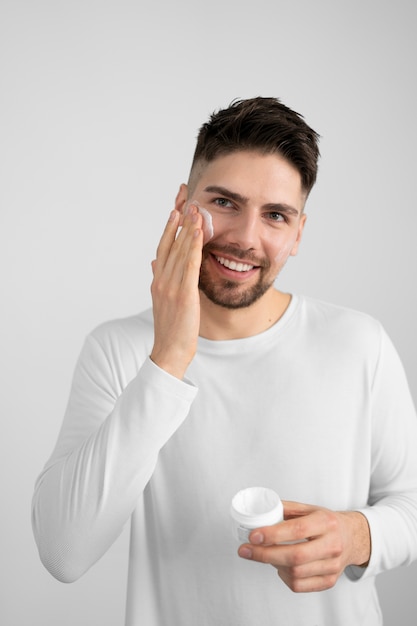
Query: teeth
(232, 265)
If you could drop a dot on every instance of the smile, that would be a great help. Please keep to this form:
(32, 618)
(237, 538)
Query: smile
(232, 265)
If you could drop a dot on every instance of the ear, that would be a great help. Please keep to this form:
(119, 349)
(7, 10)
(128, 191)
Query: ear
(181, 198)
(303, 219)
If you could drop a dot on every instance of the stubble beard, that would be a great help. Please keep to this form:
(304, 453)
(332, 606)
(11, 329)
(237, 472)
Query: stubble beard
(232, 294)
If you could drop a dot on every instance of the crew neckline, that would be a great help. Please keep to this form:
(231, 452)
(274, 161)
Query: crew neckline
(228, 346)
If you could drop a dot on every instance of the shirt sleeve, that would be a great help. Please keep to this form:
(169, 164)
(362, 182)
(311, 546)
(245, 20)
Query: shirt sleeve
(105, 454)
(392, 506)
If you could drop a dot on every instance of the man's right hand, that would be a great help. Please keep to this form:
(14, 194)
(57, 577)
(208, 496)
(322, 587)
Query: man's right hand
(175, 294)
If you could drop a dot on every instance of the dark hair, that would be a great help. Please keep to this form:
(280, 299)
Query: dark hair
(265, 125)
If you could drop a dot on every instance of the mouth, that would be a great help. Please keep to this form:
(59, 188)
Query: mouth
(236, 266)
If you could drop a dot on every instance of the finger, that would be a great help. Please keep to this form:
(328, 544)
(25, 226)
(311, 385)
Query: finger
(312, 569)
(288, 555)
(313, 523)
(185, 251)
(322, 542)
(288, 531)
(167, 239)
(193, 260)
(308, 558)
(296, 509)
(190, 208)
(172, 249)
(307, 584)
(278, 556)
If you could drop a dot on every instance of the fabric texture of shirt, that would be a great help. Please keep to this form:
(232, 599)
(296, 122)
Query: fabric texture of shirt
(317, 408)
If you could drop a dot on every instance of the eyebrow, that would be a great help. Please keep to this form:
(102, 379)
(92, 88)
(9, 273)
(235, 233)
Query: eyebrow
(279, 207)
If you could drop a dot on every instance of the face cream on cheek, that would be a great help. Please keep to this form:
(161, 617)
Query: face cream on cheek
(208, 230)
(284, 253)
(253, 508)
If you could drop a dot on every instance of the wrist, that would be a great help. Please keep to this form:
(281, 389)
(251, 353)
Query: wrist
(173, 366)
(360, 539)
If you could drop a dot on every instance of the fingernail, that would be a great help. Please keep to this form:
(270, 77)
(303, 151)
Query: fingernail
(245, 552)
(172, 215)
(256, 538)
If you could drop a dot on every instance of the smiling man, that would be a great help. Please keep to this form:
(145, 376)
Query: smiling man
(258, 235)
(229, 383)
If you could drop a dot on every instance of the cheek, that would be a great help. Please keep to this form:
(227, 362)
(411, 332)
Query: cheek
(283, 252)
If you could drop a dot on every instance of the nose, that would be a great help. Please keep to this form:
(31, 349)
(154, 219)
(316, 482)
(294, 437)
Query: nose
(244, 230)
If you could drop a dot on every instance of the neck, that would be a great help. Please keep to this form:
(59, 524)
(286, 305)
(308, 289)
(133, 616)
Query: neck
(218, 323)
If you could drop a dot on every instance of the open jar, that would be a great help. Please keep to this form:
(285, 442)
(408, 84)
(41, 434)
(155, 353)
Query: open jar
(255, 507)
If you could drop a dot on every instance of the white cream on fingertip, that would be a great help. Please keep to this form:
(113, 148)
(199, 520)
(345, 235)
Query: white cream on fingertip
(208, 229)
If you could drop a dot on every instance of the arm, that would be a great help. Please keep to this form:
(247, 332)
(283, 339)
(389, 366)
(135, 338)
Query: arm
(392, 504)
(112, 432)
(340, 542)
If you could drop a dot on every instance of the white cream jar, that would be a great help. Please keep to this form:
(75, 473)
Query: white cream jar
(255, 507)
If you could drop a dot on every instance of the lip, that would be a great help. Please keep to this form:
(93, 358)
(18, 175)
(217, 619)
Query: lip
(231, 273)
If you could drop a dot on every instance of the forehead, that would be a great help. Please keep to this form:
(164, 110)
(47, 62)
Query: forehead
(261, 177)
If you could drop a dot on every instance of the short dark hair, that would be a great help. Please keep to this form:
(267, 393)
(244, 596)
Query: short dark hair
(265, 125)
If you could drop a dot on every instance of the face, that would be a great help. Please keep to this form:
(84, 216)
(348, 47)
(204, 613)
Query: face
(256, 206)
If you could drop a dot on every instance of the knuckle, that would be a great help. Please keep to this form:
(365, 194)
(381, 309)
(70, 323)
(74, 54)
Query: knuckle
(336, 551)
(296, 585)
(158, 288)
(332, 522)
(297, 557)
(286, 575)
(191, 265)
(154, 289)
(296, 572)
(329, 581)
(299, 528)
(264, 556)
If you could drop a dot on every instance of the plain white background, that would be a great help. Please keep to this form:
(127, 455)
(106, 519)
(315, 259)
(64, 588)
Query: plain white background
(100, 105)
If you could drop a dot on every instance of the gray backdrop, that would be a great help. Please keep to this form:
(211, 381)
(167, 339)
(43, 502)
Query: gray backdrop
(100, 104)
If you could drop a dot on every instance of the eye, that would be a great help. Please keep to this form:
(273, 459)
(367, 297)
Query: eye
(223, 203)
(275, 216)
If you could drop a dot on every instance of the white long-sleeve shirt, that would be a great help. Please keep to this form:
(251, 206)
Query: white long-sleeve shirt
(317, 408)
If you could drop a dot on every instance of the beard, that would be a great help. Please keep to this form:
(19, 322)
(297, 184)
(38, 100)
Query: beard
(232, 294)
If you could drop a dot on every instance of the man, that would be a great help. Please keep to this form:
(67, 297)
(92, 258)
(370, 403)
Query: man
(229, 383)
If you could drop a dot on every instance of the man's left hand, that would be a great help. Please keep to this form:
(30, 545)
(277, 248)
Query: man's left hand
(312, 546)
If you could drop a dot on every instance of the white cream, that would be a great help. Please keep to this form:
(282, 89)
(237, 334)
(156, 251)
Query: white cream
(255, 507)
(208, 229)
